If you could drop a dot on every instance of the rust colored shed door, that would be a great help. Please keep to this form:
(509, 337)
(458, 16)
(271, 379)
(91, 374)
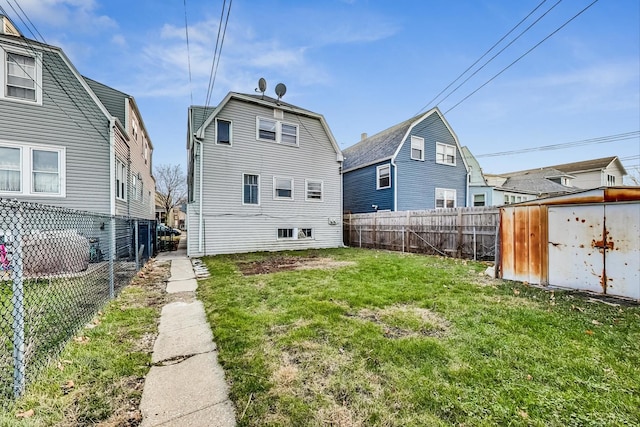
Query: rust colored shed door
(595, 248)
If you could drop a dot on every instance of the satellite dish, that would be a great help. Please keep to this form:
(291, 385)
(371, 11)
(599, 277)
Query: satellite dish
(262, 85)
(281, 89)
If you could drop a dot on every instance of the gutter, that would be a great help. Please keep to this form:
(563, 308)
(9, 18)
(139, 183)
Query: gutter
(200, 217)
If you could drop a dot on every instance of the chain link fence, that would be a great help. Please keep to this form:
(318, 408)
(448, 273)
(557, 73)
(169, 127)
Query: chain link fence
(58, 267)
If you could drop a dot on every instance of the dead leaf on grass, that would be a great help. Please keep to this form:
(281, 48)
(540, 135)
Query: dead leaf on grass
(25, 414)
(523, 414)
(81, 339)
(516, 292)
(588, 332)
(68, 386)
(595, 322)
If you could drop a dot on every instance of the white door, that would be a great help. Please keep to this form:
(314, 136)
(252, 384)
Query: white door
(622, 262)
(576, 259)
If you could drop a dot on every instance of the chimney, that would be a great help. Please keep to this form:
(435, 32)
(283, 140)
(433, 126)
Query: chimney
(363, 136)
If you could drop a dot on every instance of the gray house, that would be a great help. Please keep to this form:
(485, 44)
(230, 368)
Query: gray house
(416, 164)
(59, 144)
(263, 175)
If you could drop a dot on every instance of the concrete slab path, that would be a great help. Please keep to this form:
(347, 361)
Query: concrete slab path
(186, 385)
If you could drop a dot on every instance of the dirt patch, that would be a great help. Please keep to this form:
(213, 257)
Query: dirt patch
(283, 263)
(403, 321)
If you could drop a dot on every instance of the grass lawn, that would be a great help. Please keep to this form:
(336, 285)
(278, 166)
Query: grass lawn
(369, 338)
(98, 378)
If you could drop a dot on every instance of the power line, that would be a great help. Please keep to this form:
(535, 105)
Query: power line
(522, 56)
(599, 140)
(186, 30)
(216, 54)
(485, 54)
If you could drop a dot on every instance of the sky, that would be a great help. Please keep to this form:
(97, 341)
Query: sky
(367, 65)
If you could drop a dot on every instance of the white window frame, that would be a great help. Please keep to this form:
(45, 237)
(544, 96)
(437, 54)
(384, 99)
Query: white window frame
(306, 186)
(275, 187)
(445, 191)
(121, 180)
(278, 131)
(378, 169)
(442, 150)
(4, 69)
(242, 187)
(297, 233)
(417, 143)
(218, 120)
(484, 199)
(26, 169)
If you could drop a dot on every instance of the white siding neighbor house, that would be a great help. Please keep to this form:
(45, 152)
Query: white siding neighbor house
(263, 175)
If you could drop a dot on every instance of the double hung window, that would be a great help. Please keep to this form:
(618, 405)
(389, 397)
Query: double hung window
(445, 154)
(276, 131)
(31, 170)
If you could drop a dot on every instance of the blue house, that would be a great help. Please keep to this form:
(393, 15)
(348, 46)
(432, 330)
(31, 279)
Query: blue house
(416, 164)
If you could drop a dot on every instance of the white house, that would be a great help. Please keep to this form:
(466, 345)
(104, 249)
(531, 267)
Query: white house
(263, 175)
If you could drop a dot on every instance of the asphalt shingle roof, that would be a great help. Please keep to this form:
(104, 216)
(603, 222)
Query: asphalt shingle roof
(585, 165)
(377, 147)
(536, 180)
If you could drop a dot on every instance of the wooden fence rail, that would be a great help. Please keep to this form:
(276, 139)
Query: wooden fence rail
(459, 232)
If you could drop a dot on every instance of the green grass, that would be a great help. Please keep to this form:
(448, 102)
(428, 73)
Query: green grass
(407, 340)
(106, 364)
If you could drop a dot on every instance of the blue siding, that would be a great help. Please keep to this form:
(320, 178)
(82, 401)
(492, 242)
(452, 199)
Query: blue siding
(359, 190)
(417, 180)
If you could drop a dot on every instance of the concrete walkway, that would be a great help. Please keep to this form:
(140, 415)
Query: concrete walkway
(186, 385)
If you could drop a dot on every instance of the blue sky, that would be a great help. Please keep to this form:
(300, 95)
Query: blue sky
(367, 65)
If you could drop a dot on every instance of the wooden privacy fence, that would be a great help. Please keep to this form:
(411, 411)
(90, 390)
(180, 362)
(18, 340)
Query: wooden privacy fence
(458, 232)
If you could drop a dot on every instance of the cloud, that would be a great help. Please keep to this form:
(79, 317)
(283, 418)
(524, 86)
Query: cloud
(80, 14)
(119, 40)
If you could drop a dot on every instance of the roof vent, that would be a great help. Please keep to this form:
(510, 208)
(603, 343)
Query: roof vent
(7, 27)
(363, 136)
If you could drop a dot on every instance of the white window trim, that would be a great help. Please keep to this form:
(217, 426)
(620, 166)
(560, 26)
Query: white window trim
(230, 132)
(120, 165)
(419, 141)
(275, 194)
(445, 147)
(444, 190)
(242, 189)
(306, 190)
(26, 169)
(279, 124)
(296, 233)
(3, 74)
(378, 168)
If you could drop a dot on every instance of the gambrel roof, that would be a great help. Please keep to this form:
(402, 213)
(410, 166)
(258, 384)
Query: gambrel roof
(201, 117)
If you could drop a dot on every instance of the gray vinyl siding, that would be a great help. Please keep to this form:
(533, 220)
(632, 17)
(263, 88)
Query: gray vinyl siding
(361, 193)
(417, 180)
(229, 226)
(68, 118)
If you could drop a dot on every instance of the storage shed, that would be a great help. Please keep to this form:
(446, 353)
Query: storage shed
(587, 241)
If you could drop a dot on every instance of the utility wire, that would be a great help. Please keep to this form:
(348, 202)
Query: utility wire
(599, 140)
(45, 63)
(522, 56)
(216, 54)
(483, 55)
(186, 30)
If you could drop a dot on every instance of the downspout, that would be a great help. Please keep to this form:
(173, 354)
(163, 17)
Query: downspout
(112, 167)
(395, 184)
(469, 195)
(200, 217)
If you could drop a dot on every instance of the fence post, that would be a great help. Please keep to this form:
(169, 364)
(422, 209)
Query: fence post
(402, 239)
(474, 244)
(360, 235)
(112, 257)
(136, 242)
(17, 301)
(460, 243)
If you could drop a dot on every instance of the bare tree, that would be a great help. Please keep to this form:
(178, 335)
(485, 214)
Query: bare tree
(171, 186)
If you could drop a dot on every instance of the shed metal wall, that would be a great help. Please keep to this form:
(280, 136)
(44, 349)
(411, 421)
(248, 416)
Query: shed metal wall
(589, 241)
